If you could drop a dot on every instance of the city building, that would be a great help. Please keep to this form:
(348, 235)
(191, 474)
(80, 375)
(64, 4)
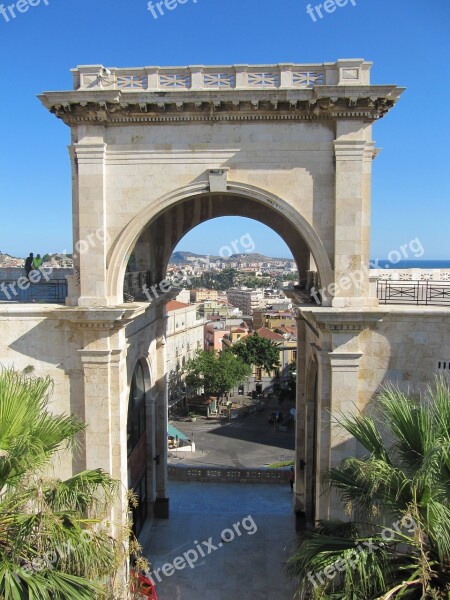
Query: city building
(200, 295)
(215, 332)
(271, 319)
(183, 338)
(246, 300)
(211, 308)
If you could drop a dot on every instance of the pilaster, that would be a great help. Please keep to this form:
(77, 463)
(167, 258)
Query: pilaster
(90, 235)
(352, 215)
(301, 430)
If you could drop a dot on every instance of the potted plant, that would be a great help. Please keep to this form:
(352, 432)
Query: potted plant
(192, 417)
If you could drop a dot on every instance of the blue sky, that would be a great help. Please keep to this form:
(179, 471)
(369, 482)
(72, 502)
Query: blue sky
(408, 40)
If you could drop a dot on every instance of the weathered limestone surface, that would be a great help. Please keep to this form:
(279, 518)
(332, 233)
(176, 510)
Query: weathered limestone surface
(156, 151)
(356, 352)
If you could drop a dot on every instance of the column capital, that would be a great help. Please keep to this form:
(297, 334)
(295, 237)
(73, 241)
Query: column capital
(349, 149)
(95, 357)
(90, 153)
(345, 361)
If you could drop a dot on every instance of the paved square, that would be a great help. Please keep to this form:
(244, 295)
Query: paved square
(250, 566)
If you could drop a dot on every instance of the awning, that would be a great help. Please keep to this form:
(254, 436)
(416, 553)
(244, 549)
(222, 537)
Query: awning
(173, 432)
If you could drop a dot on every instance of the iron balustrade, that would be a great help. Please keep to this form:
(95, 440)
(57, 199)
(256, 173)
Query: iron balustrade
(53, 291)
(420, 293)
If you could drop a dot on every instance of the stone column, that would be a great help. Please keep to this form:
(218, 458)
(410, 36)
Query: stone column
(301, 424)
(161, 407)
(321, 508)
(90, 225)
(103, 360)
(353, 148)
(119, 395)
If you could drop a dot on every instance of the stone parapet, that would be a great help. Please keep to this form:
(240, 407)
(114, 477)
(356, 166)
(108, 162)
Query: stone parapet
(226, 475)
(210, 93)
(226, 77)
(394, 274)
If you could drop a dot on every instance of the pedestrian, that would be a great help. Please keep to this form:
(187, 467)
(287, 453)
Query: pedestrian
(37, 262)
(292, 478)
(29, 264)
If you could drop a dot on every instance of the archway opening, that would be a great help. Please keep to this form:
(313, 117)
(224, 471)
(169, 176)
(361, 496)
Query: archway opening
(150, 242)
(149, 239)
(234, 286)
(137, 446)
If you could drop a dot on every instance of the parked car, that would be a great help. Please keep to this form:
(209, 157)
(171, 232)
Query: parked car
(276, 416)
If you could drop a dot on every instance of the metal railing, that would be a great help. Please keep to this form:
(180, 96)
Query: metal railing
(227, 474)
(419, 293)
(53, 291)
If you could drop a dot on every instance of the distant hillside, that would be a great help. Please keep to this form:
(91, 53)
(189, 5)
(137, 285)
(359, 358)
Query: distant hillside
(183, 257)
(255, 257)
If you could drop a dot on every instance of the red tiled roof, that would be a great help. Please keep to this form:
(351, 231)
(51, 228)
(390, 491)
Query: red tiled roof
(270, 335)
(175, 305)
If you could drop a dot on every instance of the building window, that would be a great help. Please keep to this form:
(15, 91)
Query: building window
(136, 409)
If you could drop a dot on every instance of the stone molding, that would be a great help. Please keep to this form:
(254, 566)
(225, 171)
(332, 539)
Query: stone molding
(98, 357)
(345, 361)
(103, 319)
(102, 107)
(90, 154)
(351, 150)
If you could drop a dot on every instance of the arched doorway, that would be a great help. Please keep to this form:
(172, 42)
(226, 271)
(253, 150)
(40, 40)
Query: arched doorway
(137, 446)
(160, 237)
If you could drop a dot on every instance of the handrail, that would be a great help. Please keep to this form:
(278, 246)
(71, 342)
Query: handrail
(419, 293)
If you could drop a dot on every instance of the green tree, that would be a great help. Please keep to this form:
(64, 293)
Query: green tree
(51, 545)
(226, 278)
(398, 543)
(216, 374)
(258, 351)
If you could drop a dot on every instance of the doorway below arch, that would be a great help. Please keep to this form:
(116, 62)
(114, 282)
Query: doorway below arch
(137, 448)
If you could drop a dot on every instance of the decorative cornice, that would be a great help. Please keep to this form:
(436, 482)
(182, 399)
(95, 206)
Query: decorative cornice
(102, 107)
(342, 320)
(102, 319)
(344, 327)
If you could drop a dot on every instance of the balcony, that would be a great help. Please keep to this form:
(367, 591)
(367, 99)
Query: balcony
(418, 293)
(53, 291)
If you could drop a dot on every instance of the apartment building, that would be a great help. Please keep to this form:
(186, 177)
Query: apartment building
(200, 295)
(246, 300)
(273, 319)
(184, 337)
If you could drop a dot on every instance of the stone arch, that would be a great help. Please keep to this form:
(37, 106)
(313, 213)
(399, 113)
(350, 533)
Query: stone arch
(123, 246)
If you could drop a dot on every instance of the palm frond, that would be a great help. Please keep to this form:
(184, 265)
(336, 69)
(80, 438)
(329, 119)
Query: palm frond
(366, 432)
(400, 493)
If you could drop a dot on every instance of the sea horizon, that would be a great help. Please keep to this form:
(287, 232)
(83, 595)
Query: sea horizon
(384, 263)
